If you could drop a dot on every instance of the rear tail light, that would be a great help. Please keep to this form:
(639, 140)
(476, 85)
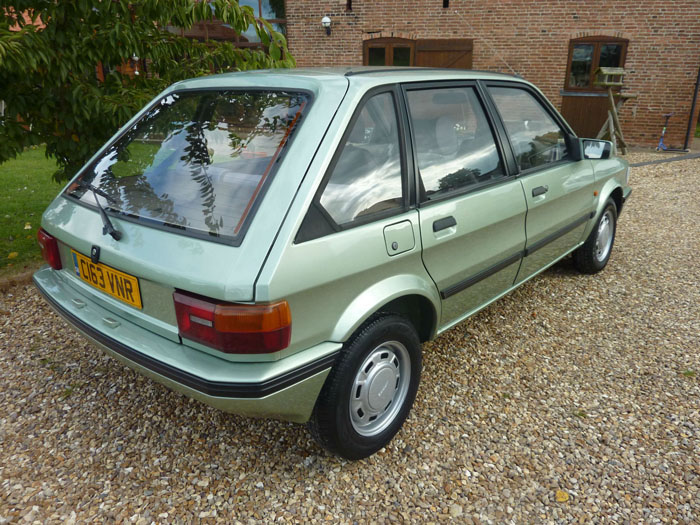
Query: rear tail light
(49, 248)
(233, 328)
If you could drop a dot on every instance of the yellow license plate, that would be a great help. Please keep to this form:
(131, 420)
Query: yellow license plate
(118, 284)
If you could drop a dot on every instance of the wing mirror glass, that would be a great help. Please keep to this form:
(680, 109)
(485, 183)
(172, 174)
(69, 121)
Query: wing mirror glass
(596, 149)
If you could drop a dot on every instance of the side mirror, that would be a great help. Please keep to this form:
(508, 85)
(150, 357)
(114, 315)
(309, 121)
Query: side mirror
(573, 147)
(596, 149)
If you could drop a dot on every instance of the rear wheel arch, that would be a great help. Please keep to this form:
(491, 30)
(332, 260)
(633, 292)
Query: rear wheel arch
(409, 296)
(418, 310)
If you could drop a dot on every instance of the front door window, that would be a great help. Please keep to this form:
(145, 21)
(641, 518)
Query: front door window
(536, 138)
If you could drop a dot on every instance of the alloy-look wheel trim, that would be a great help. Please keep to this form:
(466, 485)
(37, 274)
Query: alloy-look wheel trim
(379, 389)
(604, 239)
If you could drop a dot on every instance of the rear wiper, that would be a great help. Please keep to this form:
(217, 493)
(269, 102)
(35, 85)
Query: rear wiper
(107, 226)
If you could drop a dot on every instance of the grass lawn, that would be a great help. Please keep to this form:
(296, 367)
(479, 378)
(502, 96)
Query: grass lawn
(27, 189)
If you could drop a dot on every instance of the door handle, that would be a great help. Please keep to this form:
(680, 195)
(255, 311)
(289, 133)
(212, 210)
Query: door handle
(442, 224)
(539, 190)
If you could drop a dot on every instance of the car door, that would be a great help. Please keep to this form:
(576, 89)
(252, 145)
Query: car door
(471, 212)
(558, 190)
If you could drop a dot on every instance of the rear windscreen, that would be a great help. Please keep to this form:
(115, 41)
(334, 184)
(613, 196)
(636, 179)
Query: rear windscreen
(196, 161)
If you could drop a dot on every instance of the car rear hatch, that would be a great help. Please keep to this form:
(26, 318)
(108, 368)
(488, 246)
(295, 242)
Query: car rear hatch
(196, 187)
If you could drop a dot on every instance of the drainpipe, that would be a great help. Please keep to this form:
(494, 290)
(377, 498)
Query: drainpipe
(691, 124)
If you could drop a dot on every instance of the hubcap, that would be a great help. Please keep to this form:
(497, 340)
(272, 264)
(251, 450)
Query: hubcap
(604, 238)
(379, 388)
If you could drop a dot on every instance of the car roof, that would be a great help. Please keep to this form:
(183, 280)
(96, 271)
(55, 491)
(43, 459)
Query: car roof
(319, 77)
(397, 73)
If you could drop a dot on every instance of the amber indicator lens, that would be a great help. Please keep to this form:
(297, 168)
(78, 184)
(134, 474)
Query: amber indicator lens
(233, 328)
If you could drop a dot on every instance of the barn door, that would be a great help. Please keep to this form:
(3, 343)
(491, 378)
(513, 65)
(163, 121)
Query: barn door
(445, 52)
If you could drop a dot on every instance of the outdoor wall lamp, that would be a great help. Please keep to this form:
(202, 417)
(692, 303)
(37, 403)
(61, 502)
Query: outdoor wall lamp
(135, 63)
(326, 22)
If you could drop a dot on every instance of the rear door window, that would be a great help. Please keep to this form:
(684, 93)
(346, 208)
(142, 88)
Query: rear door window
(197, 161)
(454, 143)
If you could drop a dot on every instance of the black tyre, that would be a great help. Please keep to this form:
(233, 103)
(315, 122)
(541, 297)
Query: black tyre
(370, 390)
(594, 254)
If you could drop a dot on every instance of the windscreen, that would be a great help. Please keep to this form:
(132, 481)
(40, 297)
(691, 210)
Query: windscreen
(196, 161)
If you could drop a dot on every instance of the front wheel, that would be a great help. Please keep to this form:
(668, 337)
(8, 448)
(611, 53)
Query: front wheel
(594, 254)
(370, 390)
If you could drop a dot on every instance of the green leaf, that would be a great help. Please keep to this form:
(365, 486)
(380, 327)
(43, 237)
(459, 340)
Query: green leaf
(275, 51)
(49, 76)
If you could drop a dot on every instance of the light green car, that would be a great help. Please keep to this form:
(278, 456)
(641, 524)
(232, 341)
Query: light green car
(280, 243)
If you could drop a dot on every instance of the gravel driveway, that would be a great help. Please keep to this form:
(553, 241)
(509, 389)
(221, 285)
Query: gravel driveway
(575, 399)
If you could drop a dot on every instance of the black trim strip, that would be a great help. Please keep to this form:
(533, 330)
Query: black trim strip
(554, 236)
(488, 272)
(210, 388)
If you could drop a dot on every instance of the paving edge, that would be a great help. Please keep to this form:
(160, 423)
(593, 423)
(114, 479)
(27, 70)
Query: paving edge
(663, 161)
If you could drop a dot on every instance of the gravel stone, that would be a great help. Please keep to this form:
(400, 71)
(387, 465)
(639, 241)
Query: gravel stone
(588, 385)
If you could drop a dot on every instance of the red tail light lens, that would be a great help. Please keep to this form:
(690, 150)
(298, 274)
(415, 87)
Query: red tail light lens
(49, 249)
(234, 328)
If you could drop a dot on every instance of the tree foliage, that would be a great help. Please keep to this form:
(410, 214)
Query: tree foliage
(48, 75)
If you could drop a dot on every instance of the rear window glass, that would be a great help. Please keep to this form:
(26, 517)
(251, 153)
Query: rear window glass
(196, 161)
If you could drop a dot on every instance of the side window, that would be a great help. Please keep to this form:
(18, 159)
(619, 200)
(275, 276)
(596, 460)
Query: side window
(535, 136)
(366, 178)
(453, 140)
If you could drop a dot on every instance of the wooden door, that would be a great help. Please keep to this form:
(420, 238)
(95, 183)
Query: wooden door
(585, 112)
(445, 52)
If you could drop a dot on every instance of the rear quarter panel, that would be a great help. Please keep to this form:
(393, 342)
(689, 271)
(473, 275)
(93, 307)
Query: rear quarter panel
(335, 282)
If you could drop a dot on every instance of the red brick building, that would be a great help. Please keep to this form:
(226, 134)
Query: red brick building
(555, 44)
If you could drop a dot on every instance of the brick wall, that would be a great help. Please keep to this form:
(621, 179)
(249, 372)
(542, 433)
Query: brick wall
(530, 38)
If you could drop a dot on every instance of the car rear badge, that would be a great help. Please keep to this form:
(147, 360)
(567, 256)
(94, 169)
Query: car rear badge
(95, 254)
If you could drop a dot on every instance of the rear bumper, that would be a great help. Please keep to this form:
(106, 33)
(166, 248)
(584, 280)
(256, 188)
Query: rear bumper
(285, 389)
